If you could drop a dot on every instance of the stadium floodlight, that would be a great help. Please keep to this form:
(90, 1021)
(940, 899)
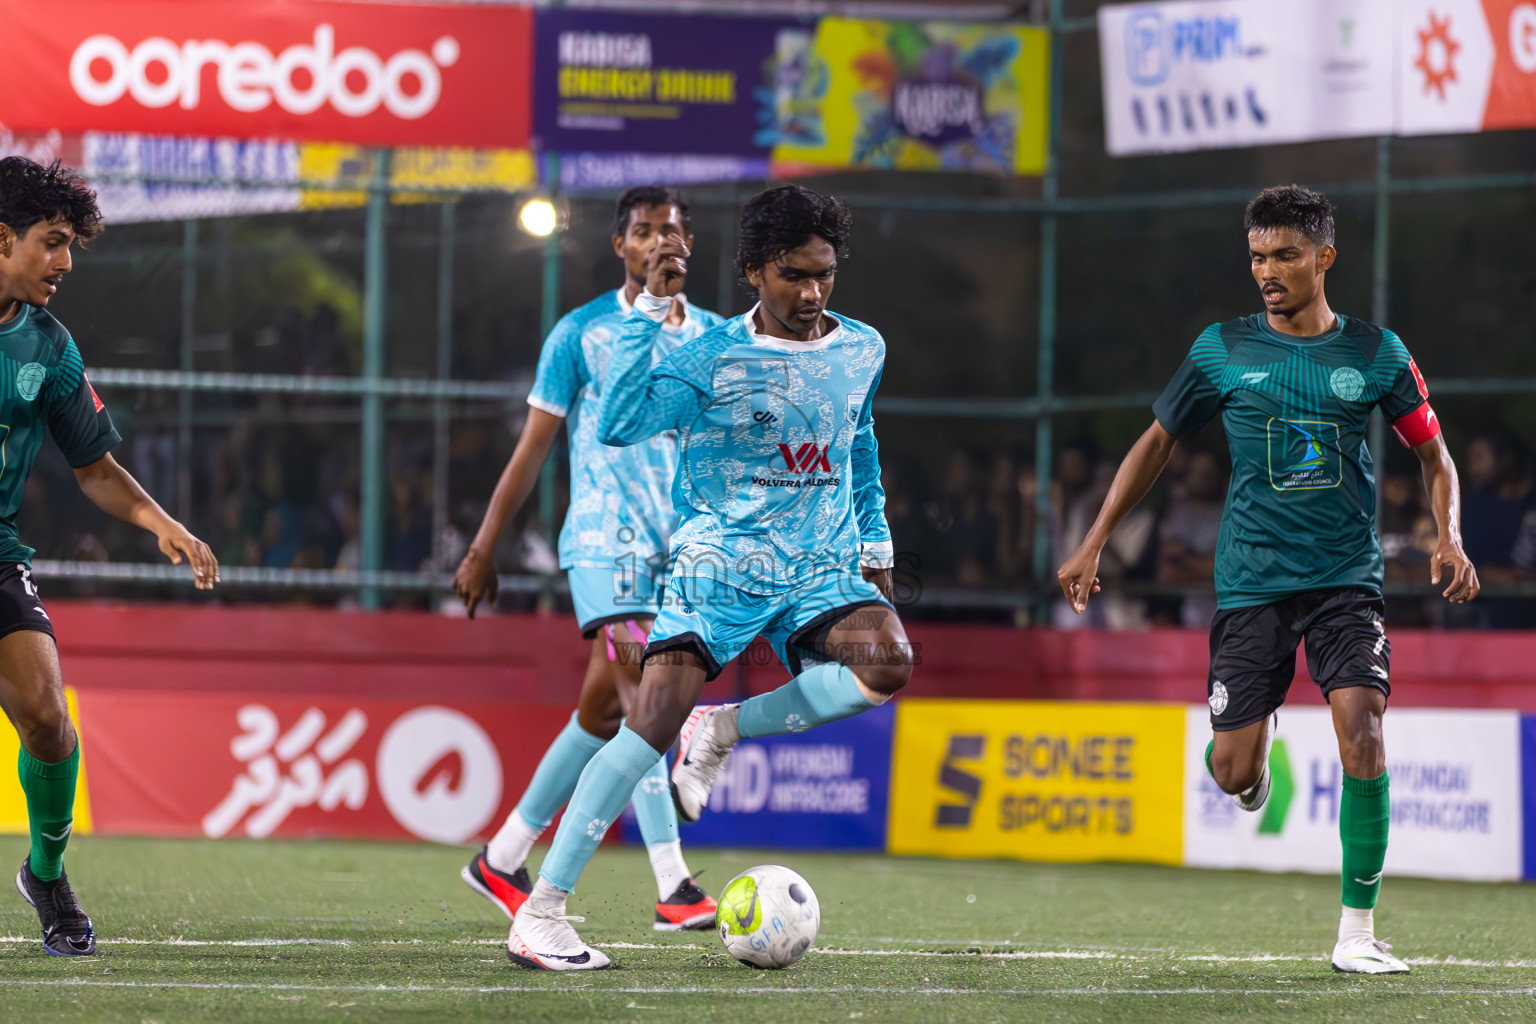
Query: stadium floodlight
(539, 218)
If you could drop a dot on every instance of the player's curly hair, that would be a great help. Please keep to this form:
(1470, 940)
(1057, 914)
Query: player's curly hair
(1292, 206)
(31, 192)
(783, 218)
(648, 195)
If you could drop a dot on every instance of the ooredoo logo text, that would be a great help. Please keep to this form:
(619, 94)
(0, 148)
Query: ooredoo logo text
(355, 81)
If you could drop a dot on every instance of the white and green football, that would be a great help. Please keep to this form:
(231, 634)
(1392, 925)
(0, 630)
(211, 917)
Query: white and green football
(768, 917)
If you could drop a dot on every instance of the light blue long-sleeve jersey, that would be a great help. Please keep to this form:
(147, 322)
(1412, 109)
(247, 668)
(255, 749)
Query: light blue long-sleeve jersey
(620, 497)
(778, 479)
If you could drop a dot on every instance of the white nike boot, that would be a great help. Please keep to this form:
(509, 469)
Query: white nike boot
(1366, 955)
(1358, 950)
(703, 747)
(542, 937)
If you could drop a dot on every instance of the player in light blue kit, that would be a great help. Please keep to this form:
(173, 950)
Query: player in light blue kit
(613, 547)
(783, 532)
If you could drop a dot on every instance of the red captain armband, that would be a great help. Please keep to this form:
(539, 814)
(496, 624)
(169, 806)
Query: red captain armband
(1417, 427)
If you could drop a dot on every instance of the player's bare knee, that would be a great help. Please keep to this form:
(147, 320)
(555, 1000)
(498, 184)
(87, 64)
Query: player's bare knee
(888, 672)
(595, 723)
(1235, 773)
(43, 726)
(1364, 755)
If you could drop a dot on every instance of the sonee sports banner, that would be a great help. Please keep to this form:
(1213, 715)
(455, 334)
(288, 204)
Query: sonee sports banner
(1038, 780)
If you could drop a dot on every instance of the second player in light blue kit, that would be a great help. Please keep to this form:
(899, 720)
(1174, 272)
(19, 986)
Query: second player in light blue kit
(613, 547)
(782, 532)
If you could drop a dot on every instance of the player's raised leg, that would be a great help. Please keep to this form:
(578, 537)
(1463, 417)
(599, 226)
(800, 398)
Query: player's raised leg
(32, 693)
(869, 659)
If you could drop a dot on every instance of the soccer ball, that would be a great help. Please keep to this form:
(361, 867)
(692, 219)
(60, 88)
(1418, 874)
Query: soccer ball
(768, 917)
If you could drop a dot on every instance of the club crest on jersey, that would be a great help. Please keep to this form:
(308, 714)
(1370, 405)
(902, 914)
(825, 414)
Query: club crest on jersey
(1348, 383)
(29, 380)
(1218, 698)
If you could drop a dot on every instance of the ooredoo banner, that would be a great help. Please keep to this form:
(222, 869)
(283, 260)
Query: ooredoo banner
(1201, 74)
(1044, 780)
(382, 74)
(218, 765)
(1455, 797)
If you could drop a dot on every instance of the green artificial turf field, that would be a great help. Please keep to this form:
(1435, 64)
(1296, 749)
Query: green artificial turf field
(234, 930)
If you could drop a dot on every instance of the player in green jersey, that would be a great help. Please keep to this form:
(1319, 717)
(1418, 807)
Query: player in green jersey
(43, 210)
(1298, 556)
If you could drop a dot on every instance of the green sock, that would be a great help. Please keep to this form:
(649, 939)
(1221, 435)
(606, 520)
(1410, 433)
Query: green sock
(1363, 818)
(1210, 748)
(50, 791)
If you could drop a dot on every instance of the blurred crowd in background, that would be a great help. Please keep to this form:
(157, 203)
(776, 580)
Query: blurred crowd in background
(280, 476)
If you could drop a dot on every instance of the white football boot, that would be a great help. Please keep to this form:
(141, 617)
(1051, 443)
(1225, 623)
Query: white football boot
(544, 940)
(1365, 955)
(1252, 799)
(703, 747)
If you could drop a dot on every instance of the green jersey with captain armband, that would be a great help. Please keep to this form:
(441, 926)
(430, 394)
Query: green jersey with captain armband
(1301, 508)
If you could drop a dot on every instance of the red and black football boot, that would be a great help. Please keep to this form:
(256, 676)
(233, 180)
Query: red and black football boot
(688, 909)
(507, 891)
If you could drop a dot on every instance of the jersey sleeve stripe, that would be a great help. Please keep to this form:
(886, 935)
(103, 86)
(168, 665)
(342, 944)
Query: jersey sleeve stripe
(544, 405)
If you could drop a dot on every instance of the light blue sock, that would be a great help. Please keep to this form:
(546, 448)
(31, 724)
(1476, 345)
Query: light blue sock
(605, 787)
(555, 779)
(655, 812)
(815, 697)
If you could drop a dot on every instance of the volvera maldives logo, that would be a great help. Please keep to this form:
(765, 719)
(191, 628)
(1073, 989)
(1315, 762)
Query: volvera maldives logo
(809, 465)
(355, 81)
(808, 458)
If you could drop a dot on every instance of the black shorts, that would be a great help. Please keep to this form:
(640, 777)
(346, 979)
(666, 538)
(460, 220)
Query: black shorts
(1253, 652)
(20, 607)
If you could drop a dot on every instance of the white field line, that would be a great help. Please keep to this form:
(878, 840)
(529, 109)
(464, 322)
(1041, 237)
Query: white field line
(716, 991)
(1134, 956)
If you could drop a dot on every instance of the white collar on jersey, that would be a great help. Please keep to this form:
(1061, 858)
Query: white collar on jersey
(784, 344)
(625, 306)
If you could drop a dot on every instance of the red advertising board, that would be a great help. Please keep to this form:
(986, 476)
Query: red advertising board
(386, 74)
(258, 765)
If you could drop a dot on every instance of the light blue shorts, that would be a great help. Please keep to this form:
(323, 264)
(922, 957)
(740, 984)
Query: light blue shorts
(717, 622)
(601, 596)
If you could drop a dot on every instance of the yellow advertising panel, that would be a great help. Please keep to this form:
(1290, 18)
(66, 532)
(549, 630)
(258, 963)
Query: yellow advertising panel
(410, 167)
(13, 802)
(915, 96)
(1046, 780)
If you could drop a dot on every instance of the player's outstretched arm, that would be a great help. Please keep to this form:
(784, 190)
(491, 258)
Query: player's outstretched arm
(475, 578)
(114, 490)
(1445, 500)
(1079, 574)
(638, 404)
